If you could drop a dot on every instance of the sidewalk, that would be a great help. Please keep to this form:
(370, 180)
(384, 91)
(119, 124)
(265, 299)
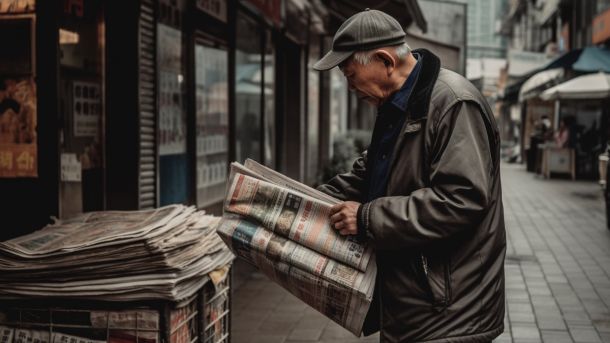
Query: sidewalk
(557, 273)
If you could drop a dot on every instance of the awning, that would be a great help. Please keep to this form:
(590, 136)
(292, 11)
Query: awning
(589, 59)
(593, 59)
(531, 87)
(592, 86)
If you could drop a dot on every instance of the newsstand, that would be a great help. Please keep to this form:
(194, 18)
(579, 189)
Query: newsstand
(202, 318)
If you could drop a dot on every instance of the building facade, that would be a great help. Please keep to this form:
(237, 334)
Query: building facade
(109, 105)
(484, 18)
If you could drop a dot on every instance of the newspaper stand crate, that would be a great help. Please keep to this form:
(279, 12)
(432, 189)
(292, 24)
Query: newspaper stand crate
(203, 318)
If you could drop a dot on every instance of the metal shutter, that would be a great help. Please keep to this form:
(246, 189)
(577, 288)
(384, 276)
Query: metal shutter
(148, 104)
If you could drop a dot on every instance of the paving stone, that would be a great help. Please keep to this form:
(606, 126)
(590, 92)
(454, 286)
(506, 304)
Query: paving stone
(305, 334)
(576, 318)
(551, 324)
(504, 337)
(585, 335)
(522, 317)
(605, 336)
(334, 331)
(602, 325)
(525, 332)
(262, 338)
(556, 336)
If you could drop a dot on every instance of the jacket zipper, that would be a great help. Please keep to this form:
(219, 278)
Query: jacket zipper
(425, 267)
(424, 263)
(447, 283)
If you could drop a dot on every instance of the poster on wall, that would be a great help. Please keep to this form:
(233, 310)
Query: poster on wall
(17, 6)
(86, 108)
(18, 153)
(71, 168)
(172, 114)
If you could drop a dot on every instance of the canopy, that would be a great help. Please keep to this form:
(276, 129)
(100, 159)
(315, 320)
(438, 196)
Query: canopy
(528, 90)
(589, 59)
(591, 86)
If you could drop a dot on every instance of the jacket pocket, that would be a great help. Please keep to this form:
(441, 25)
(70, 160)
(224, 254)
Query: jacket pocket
(437, 278)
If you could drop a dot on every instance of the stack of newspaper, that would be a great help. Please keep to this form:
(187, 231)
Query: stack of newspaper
(282, 227)
(166, 253)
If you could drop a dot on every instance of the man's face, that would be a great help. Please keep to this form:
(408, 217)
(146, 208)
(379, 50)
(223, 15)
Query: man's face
(367, 81)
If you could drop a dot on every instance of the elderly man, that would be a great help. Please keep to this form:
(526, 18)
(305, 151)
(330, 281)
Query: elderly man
(426, 193)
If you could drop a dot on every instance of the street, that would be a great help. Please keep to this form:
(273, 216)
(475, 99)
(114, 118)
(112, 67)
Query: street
(557, 273)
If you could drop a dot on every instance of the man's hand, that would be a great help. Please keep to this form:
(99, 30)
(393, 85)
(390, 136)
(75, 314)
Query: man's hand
(344, 217)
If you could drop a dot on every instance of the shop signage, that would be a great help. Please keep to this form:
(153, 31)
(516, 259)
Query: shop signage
(601, 27)
(17, 6)
(18, 160)
(215, 8)
(18, 152)
(86, 107)
(71, 169)
(271, 9)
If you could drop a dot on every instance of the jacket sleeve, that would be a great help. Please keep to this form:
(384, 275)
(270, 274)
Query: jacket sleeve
(350, 185)
(458, 193)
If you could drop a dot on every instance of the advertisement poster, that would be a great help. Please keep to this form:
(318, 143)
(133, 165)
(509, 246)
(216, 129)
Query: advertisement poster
(86, 107)
(71, 169)
(18, 153)
(17, 6)
(172, 114)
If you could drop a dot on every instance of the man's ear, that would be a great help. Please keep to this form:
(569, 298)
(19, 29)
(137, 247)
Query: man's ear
(387, 59)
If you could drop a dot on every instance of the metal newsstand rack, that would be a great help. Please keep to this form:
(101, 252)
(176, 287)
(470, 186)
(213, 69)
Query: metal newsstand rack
(203, 318)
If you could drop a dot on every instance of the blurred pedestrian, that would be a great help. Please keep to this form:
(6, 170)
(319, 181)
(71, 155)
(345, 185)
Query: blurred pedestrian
(562, 136)
(426, 193)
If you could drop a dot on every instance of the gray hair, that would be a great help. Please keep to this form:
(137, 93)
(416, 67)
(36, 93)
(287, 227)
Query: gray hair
(364, 57)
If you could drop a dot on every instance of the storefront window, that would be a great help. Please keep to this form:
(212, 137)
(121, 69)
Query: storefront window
(173, 158)
(212, 123)
(248, 89)
(584, 120)
(313, 111)
(81, 99)
(269, 58)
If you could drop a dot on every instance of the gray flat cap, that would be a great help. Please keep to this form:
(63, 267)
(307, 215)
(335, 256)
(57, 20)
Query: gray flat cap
(366, 30)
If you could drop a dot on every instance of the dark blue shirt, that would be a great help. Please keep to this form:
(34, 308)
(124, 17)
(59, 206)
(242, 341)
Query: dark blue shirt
(391, 116)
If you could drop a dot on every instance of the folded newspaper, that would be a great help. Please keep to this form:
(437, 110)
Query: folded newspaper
(165, 253)
(282, 227)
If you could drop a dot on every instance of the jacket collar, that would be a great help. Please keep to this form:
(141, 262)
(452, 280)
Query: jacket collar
(419, 102)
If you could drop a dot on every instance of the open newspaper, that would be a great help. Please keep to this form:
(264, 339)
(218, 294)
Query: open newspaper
(282, 227)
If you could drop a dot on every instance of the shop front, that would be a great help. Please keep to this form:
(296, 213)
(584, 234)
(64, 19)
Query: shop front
(108, 105)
